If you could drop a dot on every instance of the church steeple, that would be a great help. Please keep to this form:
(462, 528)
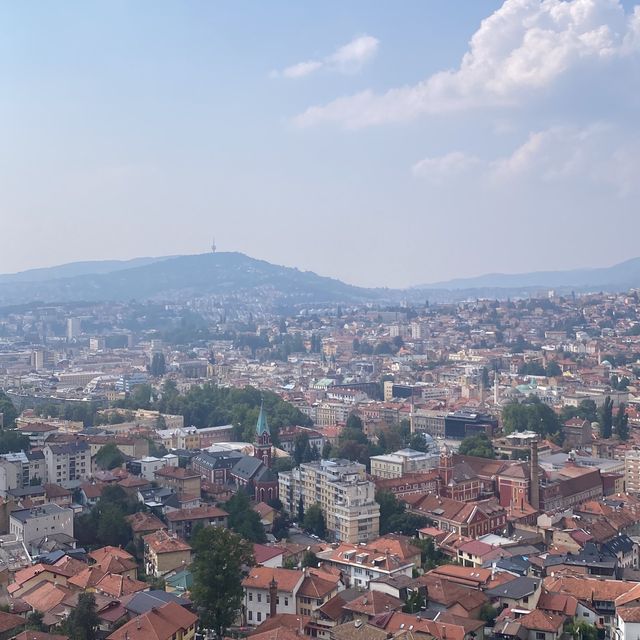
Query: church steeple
(262, 425)
(262, 445)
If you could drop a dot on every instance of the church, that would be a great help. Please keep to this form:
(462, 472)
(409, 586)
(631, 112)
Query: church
(253, 473)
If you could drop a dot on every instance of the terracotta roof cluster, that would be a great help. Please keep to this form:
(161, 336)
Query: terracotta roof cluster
(157, 624)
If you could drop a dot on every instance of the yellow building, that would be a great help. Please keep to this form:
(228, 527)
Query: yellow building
(341, 489)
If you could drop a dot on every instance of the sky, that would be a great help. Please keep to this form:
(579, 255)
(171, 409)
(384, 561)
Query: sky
(382, 143)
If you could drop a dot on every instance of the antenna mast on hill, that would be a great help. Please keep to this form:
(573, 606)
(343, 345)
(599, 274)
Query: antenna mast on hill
(213, 245)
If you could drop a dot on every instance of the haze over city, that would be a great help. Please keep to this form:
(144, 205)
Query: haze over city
(384, 145)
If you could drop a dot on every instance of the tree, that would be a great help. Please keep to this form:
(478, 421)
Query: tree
(394, 517)
(300, 511)
(12, 440)
(354, 422)
(416, 601)
(243, 519)
(112, 529)
(621, 423)
(35, 621)
(158, 366)
(314, 521)
(83, 620)
(553, 369)
(582, 630)
(220, 556)
(310, 559)
(606, 418)
(530, 415)
(280, 528)
(418, 442)
(109, 456)
(429, 554)
(488, 613)
(478, 445)
(8, 411)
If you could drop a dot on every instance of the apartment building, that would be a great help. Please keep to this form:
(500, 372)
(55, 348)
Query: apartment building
(68, 463)
(402, 462)
(36, 523)
(345, 496)
(632, 471)
(19, 470)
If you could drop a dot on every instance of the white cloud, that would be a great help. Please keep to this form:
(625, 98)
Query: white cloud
(600, 155)
(301, 69)
(440, 168)
(524, 47)
(349, 58)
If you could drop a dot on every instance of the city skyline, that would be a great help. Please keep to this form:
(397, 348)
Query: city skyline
(485, 137)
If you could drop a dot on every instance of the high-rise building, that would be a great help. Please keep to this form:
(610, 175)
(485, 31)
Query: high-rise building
(341, 489)
(74, 328)
(632, 471)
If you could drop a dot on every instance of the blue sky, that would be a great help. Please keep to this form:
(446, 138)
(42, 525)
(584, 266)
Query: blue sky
(381, 143)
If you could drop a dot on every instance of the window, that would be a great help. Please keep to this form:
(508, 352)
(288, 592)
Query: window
(259, 597)
(540, 635)
(250, 596)
(259, 616)
(286, 602)
(250, 615)
(525, 599)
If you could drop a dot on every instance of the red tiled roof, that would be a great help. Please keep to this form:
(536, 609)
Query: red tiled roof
(260, 578)
(157, 624)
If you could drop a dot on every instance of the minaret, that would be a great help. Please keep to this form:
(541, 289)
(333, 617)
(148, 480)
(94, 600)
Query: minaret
(262, 445)
(496, 395)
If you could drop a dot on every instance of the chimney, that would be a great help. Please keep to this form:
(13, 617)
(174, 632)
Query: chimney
(535, 480)
(273, 597)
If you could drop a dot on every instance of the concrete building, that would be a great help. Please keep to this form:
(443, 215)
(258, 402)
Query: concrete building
(37, 523)
(400, 463)
(68, 463)
(632, 471)
(18, 470)
(345, 496)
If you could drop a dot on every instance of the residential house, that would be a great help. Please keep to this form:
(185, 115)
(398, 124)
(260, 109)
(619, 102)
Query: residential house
(164, 552)
(169, 622)
(182, 521)
(268, 591)
(520, 593)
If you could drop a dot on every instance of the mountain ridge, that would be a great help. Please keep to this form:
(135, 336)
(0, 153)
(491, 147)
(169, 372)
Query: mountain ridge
(626, 273)
(235, 276)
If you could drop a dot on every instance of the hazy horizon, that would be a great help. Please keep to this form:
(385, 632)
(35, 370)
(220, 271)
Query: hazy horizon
(379, 145)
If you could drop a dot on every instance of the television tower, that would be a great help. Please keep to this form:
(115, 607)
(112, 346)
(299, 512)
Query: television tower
(213, 245)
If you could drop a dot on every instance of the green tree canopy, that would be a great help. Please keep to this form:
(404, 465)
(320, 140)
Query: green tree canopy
(8, 410)
(314, 521)
(109, 456)
(478, 445)
(158, 367)
(606, 418)
(83, 621)
(394, 518)
(220, 557)
(243, 519)
(530, 415)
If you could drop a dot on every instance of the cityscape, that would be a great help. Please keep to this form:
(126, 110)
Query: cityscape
(320, 321)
